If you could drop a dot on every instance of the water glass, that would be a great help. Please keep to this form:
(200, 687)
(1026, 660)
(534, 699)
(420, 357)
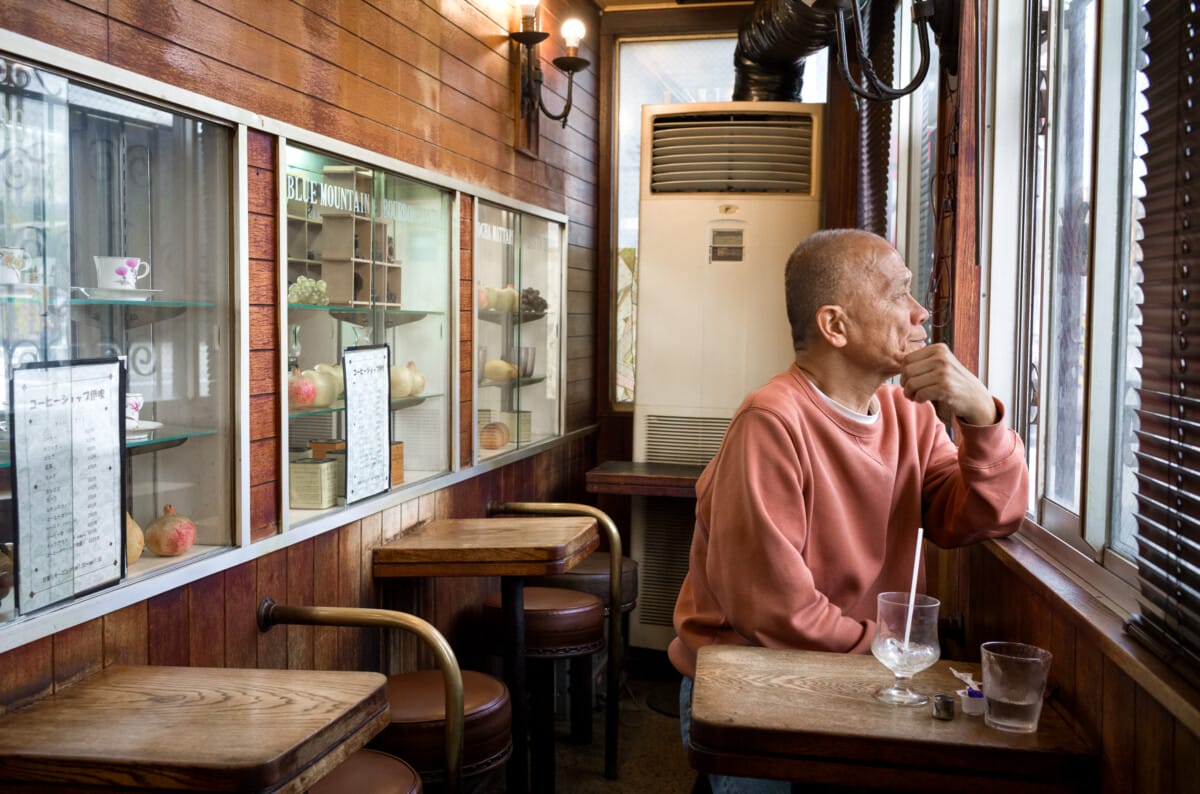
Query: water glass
(1014, 678)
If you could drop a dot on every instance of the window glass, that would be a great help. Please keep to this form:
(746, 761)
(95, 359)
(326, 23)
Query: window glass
(661, 72)
(115, 236)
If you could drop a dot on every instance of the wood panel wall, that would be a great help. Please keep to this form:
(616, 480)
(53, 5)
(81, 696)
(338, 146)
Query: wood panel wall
(426, 82)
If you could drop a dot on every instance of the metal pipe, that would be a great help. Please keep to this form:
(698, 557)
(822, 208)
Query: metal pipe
(271, 614)
(616, 645)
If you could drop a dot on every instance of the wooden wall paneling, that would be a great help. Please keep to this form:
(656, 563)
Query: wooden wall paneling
(1062, 666)
(264, 417)
(1085, 698)
(167, 624)
(264, 372)
(65, 24)
(206, 621)
(271, 581)
(1187, 761)
(261, 237)
(1154, 744)
(26, 674)
(78, 652)
(325, 594)
(263, 283)
(125, 636)
(1117, 730)
(264, 334)
(264, 510)
(372, 536)
(966, 288)
(839, 165)
(241, 620)
(349, 586)
(299, 593)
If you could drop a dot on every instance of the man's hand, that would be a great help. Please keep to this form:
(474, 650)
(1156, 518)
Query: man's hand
(933, 374)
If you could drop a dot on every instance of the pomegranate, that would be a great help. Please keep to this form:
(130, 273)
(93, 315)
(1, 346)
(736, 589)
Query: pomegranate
(170, 535)
(302, 392)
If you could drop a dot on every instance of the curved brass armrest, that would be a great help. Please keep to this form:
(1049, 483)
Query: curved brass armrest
(616, 647)
(270, 614)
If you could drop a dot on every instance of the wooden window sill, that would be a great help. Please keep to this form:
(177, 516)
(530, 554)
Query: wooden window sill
(1097, 606)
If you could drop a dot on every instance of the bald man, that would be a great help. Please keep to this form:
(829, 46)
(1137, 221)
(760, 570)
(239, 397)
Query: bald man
(811, 506)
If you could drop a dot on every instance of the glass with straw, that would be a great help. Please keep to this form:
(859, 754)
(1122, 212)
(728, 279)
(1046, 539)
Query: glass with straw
(906, 640)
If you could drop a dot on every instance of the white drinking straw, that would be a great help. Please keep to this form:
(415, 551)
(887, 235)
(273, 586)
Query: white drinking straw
(912, 591)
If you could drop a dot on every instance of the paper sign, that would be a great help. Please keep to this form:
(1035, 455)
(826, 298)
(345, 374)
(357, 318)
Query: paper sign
(368, 421)
(67, 453)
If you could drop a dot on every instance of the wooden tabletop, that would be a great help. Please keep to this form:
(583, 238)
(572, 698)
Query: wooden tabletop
(501, 546)
(644, 479)
(192, 728)
(805, 715)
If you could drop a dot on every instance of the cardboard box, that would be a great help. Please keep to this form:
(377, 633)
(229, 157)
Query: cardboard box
(311, 484)
(397, 463)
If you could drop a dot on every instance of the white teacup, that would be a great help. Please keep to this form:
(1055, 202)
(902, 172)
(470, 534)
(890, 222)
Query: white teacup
(119, 272)
(133, 405)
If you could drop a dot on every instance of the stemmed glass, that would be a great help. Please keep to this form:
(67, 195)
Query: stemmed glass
(889, 647)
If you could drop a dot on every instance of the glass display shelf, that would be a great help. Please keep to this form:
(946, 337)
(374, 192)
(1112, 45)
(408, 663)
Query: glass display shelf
(498, 317)
(340, 405)
(142, 442)
(515, 383)
(356, 314)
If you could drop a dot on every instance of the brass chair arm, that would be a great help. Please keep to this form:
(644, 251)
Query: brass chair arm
(271, 614)
(616, 647)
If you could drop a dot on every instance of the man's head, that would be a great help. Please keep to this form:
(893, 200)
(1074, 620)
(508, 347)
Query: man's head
(848, 291)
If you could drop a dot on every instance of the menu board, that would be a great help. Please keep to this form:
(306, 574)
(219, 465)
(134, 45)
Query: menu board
(368, 425)
(67, 454)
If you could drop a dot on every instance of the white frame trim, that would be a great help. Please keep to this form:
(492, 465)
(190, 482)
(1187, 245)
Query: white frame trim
(25, 629)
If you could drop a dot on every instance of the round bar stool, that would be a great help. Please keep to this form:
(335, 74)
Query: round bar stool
(370, 772)
(559, 624)
(418, 723)
(591, 576)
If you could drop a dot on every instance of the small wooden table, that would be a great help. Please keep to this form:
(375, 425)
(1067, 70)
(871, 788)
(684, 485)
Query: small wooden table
(511, 548)
(137, 728)
(632, 478)
(812, 717)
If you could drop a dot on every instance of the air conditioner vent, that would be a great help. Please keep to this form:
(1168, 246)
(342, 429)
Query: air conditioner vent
(732, 153)
(683, 439)
(665, 546)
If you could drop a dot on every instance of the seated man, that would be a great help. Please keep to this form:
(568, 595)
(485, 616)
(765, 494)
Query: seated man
(811, 506)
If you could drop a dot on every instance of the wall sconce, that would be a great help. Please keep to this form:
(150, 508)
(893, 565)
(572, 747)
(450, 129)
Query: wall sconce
(530, 89)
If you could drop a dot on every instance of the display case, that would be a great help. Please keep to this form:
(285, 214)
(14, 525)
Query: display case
(367, 262)
(518, 329)
(115, 243)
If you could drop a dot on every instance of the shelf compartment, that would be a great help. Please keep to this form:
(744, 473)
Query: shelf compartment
(493, 316)
(340, 405)
(515, 382)
(165, 437)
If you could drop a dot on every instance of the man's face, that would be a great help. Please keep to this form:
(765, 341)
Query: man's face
(885, 322)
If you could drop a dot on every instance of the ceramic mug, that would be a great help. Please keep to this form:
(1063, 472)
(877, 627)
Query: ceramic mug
(12, 264)
(119, 272)
(133, 405)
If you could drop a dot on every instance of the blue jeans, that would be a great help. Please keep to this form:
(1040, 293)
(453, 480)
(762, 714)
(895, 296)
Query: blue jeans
(723, 784)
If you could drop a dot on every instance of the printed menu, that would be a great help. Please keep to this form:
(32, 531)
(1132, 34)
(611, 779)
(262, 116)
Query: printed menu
(67, 459)
(368, 413)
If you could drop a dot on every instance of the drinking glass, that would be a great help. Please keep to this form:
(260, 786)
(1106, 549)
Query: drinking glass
(905, 660)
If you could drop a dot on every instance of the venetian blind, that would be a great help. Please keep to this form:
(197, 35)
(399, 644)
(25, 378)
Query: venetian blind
(1168, 434)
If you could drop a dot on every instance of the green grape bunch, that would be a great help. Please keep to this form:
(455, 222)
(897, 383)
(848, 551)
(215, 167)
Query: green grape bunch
(308, 291)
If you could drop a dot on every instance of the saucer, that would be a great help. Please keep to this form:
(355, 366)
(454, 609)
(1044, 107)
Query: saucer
(139, 429)
(124, 294)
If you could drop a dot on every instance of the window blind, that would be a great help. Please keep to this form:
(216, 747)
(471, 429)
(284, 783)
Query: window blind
(1167, 438)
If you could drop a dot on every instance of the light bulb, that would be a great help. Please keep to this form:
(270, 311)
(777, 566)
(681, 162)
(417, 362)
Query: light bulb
(572, 33)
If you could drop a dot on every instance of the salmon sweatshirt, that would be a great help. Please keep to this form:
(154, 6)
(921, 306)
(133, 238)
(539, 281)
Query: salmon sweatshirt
(805, 514)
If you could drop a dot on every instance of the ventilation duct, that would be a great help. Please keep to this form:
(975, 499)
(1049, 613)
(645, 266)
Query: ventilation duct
(779, 34)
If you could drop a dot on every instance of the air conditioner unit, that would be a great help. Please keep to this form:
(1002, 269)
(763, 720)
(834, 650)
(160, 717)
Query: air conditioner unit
(727, 191)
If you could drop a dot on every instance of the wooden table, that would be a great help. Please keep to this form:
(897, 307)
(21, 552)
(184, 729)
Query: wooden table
(511, 548)
(812, 717)
(137, 728)
(632, 478)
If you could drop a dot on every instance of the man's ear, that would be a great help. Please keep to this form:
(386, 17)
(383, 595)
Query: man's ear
(831, 324)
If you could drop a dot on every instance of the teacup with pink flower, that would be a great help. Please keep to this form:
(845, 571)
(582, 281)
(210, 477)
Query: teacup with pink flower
(120, 272)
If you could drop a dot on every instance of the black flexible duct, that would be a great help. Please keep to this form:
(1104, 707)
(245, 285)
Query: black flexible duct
(772, 45)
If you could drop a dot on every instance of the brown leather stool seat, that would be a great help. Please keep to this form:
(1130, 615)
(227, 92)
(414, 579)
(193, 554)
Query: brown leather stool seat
(417, 731)
(370, 772)
(591, 576)
(559, 623)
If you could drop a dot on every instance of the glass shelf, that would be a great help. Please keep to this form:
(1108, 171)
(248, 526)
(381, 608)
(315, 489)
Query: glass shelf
(514, 383)
(493, 316)
(339, 406)
(155, 441)
(358, 315)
